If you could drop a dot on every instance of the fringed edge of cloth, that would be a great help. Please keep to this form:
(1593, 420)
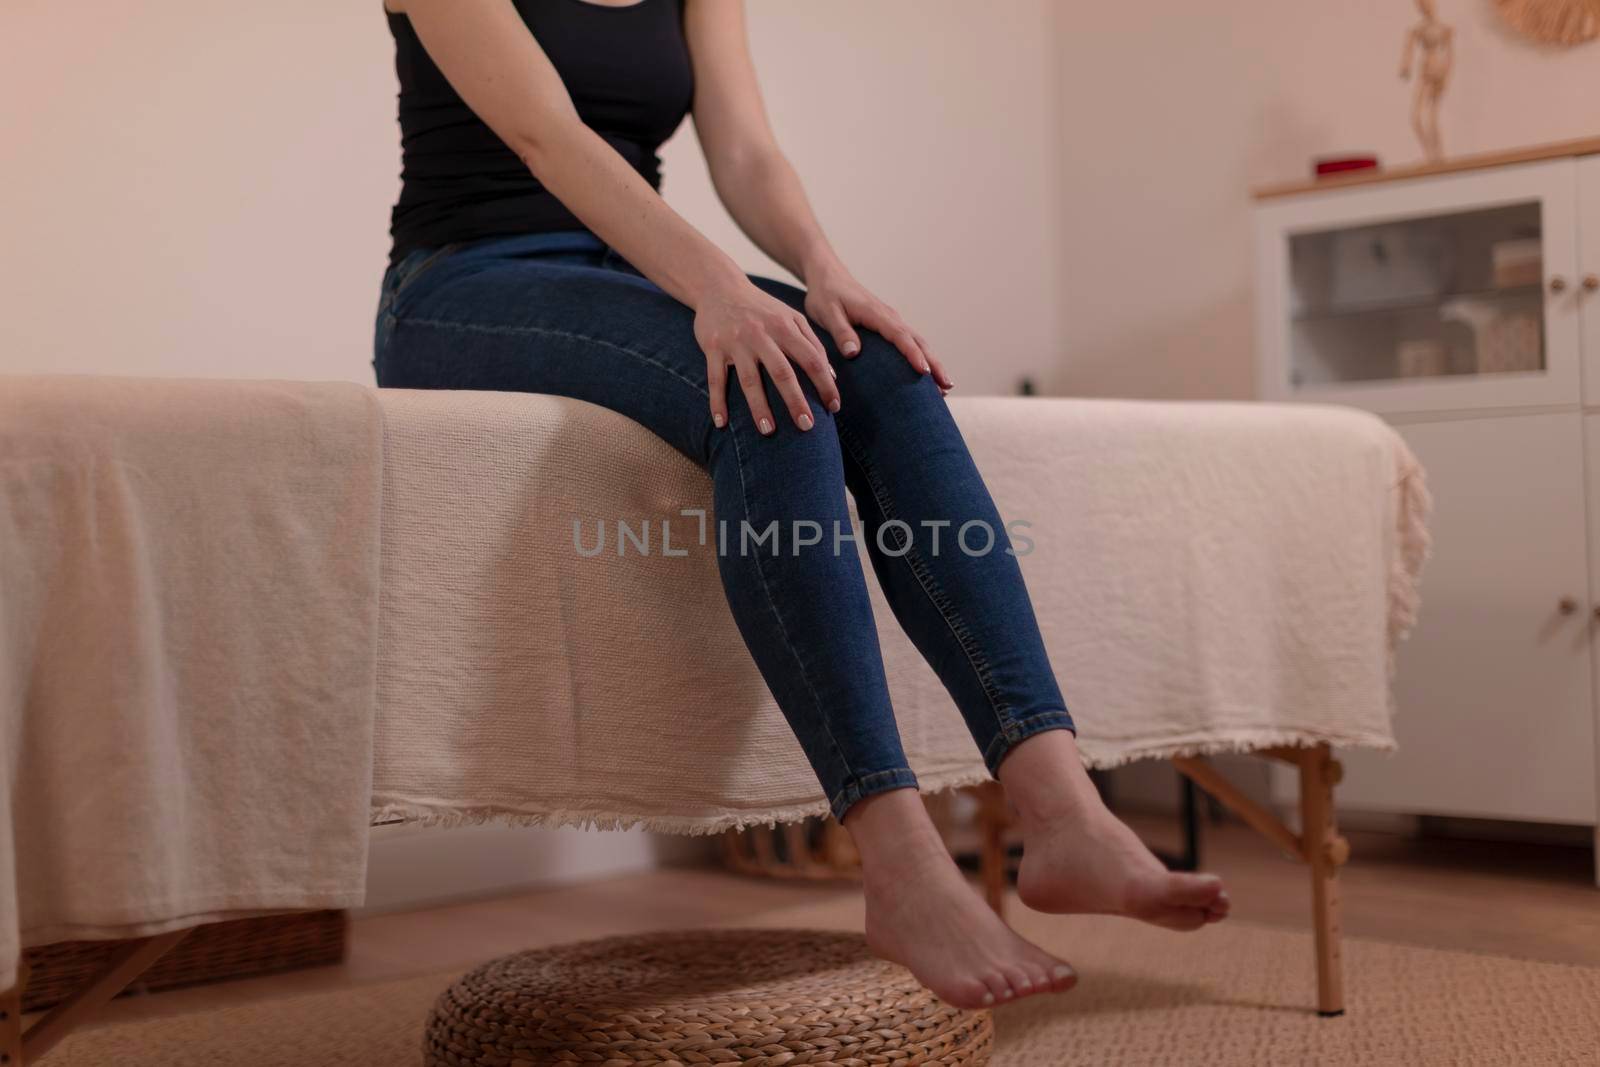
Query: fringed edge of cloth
(1413, 546)
(415, 811)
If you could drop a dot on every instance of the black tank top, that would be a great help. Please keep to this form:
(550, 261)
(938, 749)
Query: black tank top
(627, 71)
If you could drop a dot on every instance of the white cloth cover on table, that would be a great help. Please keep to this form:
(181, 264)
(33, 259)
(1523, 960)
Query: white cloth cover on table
(193, 632)
(188, 620)
(1209, 576)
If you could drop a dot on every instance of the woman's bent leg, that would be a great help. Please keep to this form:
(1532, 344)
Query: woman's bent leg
(947, 568)
(484, 318)
(493, 316)
(940, 548)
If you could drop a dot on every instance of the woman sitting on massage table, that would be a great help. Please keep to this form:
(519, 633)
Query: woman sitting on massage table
(532, 253)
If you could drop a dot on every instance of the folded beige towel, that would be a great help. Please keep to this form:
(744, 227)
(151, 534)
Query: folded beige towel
(188, 593)
(1208, 576)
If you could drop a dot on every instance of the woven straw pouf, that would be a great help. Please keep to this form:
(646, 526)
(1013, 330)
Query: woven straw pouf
(765, 997)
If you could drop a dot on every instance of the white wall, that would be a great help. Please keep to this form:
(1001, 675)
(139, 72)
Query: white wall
(412, 866)
(195, 188)
(1043, 187)
(1172, 111)
(923, 130)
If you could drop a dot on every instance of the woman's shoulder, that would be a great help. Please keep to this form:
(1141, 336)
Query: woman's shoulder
(395, 7)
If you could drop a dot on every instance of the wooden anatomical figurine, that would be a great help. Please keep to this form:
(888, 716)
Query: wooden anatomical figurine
(1432, 45)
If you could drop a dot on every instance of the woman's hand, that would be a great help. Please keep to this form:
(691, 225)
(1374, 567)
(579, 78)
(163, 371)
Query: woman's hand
(835, 299)
(746, 329)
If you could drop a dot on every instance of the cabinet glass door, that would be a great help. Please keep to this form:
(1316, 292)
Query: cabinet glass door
(1429, 297)
(1424, 294)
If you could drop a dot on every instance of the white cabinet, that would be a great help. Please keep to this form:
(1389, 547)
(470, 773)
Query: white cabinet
(1464, 306)
(1495, 712)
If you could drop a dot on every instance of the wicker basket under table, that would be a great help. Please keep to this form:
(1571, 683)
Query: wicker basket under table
(237, 948)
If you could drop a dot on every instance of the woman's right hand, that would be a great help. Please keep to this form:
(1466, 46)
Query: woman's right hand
(746, 329)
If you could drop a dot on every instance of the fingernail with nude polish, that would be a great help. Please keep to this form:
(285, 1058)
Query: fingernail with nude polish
(766, 425)
(849, 348)
(834, 406)
(718, 419)
(805, 422)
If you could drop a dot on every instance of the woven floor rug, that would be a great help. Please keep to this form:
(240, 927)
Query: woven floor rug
(1230, 994)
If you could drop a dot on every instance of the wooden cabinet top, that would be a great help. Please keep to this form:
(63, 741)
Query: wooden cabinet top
(1583, 146)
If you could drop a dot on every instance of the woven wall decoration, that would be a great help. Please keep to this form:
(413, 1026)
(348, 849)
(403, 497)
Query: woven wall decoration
(1562, 22)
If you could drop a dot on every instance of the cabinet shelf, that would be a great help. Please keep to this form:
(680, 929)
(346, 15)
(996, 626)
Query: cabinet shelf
(1423, 303)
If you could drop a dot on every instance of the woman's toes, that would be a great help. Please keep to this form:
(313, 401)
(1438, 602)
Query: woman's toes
(1193, 890)
(999, 987)
(1017, 978)
(1156, 898)
(1062, 977)
(1050, 974)
(969, 995)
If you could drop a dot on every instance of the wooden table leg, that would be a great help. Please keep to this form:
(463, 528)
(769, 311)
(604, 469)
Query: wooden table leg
(128, 963)
(11, 1019)
(1325, 853)
(1318, 846)
(993, 818)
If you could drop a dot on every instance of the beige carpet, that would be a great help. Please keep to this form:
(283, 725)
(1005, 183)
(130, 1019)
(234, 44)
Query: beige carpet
(1230, 994)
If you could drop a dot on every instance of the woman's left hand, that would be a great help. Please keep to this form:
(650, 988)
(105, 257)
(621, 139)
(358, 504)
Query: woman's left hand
(840, 303)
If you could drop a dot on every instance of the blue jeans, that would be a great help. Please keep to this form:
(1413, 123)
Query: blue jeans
(562, 313)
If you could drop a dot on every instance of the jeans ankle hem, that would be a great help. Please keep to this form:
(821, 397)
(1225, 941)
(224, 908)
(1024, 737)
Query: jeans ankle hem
(861, 786)
(1019, 730)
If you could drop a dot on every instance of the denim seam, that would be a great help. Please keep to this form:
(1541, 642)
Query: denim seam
(783, 628)
(859, 785)
(1053, 713)
(475, 327)
(1003, 742)
(935, 594)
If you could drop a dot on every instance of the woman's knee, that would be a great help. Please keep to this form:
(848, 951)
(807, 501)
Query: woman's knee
(879, 372)
(788, 447)
(776, 391)
(880, 376)
(795, 297)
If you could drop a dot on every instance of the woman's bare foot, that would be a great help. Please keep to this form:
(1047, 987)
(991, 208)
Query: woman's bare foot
(1078, 857)
(922, 914)
(1094, 864)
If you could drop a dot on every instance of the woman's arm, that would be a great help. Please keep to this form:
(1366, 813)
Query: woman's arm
(486, 52)
(763, 193)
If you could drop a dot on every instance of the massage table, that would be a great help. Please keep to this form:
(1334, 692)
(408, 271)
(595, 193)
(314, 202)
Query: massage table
(342, 606)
